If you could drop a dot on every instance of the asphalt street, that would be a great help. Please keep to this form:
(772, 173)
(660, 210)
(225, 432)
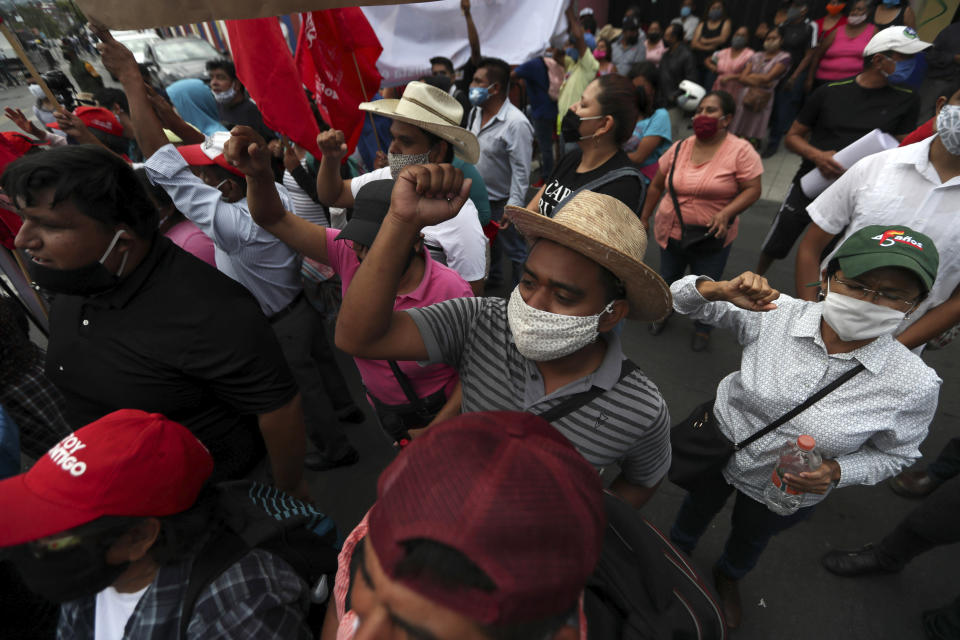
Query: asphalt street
(788, 596)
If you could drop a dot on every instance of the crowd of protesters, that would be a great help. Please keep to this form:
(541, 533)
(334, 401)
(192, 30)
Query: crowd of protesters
(479, 267)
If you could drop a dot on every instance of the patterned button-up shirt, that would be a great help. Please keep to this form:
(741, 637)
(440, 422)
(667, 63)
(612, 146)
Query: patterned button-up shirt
(258, 598)
(872, 425)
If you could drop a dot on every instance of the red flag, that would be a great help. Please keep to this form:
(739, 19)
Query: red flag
(337, 57)
(265, 67)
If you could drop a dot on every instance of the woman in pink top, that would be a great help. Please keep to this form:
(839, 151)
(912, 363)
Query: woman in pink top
(655, 46)
(189, 237)
(717, 177)
(833, 20)
(840, 54)
(728, 63)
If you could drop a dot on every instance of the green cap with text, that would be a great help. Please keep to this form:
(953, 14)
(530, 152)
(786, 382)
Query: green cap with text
(889, 246)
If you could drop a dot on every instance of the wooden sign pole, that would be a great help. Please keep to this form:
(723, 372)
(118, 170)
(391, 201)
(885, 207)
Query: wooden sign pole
(22, 54)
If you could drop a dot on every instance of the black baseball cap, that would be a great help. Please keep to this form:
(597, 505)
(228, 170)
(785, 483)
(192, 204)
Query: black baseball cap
(370, 207)
(630, 23)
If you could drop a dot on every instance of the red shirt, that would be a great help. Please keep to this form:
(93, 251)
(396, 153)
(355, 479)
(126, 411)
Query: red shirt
(921, 133)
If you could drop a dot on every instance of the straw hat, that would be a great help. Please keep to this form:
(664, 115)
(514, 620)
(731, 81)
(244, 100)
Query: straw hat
(605, 230)
(433, 110)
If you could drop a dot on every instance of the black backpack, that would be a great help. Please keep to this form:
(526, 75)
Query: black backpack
(253, 515)
(644, 588)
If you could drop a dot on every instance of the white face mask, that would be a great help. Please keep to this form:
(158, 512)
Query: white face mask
(223, 97)
(400, 160)
(855, 319)
(948, 128)
(542, 336)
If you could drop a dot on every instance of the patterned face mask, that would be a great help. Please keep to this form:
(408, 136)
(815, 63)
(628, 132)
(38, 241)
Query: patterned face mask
(948, 128)
(542, 336)
(400, 160)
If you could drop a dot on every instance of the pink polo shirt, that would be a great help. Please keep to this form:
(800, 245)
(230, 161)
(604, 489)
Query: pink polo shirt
(439, 283)
(191, 239)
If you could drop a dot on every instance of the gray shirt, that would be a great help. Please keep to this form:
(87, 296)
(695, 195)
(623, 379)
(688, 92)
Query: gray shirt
(624, 55)
(506, 147)
(628, 424)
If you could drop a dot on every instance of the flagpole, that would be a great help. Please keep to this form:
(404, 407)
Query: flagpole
(373, 125)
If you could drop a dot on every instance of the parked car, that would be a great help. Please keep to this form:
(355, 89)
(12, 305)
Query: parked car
(179, 58)
(136, 41)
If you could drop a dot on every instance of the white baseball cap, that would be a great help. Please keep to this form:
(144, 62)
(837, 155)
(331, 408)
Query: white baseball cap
(900, 39)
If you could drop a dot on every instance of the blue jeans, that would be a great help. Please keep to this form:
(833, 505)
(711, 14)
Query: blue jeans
(786, 105)
(753, 525)
(508, 241)
(674, 263)
(543, 129)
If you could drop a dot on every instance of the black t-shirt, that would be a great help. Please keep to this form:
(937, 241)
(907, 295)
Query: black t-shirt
(176, 337)
(565, 180)
(244, 113)
(797, 40)
(841, 112)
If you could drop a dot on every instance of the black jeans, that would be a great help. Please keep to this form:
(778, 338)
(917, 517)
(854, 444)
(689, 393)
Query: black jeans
(674, 263)
(753, 525)
(935, 522)
(947, 464)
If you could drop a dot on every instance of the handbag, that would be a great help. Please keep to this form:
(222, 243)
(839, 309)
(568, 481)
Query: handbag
(756, 99)
(700, 450)
(694, 238)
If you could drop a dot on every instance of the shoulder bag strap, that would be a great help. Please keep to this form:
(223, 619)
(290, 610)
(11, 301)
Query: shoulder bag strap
(406, 385)
(799, 409)
(673, 192)
(583, 398)
(607, 178)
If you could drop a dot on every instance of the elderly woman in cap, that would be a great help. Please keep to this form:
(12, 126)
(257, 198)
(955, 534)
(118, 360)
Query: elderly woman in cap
(867, 428)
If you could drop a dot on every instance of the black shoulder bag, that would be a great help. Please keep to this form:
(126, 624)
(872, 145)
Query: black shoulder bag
(700, 450)
(694, 238)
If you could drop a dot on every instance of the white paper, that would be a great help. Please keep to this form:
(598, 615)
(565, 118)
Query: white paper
(814, 182)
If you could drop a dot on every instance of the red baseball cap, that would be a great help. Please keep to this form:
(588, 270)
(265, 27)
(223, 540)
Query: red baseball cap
(127, 463)
(209, 152)
(18, 143)
(509, 492)
(98, 118)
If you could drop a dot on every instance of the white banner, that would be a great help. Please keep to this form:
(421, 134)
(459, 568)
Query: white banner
(514, 30)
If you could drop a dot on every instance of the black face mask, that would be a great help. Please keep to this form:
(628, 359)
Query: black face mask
(654, 37)
(631, 39)
(570, 126)
(83, 281)
(63, 576)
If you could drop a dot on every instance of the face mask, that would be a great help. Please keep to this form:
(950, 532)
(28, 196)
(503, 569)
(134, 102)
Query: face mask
(705, 127)
(948, 128)
(903, 71)
(63, 576)
(855, 319)
(36, 91)
(684, 12)
(542, 336)
(573, 54)
(738, 42)
(891, 3)
(836, 9)
(479, 95)
(654, 37)
(570, 126)
(715, 14)
(224, 97)
(855, 20)
(600, 54)
(400, 160)
(771, 46)
(84, 281)
(631, 40)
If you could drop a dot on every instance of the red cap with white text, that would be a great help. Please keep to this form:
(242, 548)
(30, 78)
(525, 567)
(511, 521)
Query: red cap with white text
(127, 463)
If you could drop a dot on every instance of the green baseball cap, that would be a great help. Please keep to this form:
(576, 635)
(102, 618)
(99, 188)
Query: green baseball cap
(889, 246)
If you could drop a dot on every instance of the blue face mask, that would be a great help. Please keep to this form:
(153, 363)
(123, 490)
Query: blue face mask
(573, 54)
(891, 3)
(479, 95)
(684, 12)
(903, 71)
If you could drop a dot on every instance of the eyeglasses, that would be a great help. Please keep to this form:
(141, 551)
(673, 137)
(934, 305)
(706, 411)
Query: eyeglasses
(857, 290)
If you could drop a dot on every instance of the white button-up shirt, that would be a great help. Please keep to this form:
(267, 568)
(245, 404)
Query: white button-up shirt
(898, 187)
(872, 425)
(255, 258)
(506, 148)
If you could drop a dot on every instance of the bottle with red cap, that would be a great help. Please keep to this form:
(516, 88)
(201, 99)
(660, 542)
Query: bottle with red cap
(794, 458)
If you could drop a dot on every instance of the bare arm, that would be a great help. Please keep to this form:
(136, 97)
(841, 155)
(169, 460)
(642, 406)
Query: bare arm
(934, 322)
(534, 205)
(285, 435)
(749, 193)
(248, 151)
(637, 495)
(808, 261)
(576, 31)
(817, 56)
(796, 141)
(472, 36)
(909, 19)
(368, 326)
(17, 117)
(648, 144)
(170, 119)
(699, 42)
(332, 190)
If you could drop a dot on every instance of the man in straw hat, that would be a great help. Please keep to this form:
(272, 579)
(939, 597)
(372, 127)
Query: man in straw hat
(426, 128)
(550, 350)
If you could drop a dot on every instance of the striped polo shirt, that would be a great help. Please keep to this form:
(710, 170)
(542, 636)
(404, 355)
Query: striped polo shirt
(628, 424)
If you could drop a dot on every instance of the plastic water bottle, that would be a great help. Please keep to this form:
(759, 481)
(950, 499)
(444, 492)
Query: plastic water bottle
(793, 458)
